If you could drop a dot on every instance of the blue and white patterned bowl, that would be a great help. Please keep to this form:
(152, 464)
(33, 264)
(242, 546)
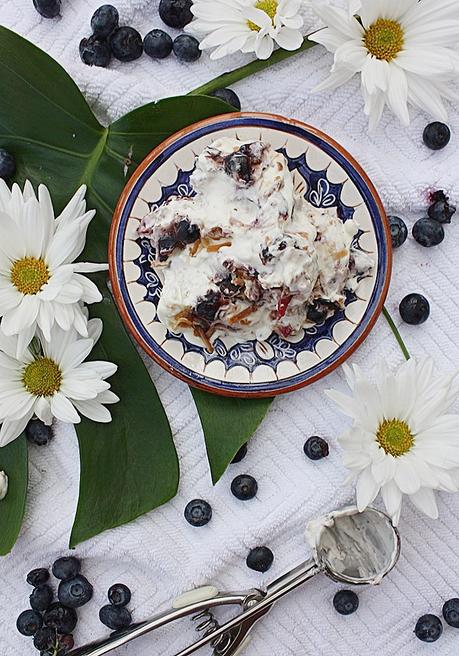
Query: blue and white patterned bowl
(329, 177)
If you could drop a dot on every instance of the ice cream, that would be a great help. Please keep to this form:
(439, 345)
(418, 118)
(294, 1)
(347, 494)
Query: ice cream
(247, 254)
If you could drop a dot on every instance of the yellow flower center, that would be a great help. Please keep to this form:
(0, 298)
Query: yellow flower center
(42, 377)
(395, 437)
(384, 39)
(269, 7)
(29, 275)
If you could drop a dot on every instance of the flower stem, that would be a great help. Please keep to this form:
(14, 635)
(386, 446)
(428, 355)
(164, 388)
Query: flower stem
(227, 79)
(396, 332)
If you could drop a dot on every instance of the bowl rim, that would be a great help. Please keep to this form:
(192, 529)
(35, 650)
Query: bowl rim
(115, 283)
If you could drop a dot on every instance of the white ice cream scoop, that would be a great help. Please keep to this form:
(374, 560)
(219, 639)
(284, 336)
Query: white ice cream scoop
(349, 546)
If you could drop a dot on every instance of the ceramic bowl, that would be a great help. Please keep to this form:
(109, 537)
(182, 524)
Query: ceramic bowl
(329, 177)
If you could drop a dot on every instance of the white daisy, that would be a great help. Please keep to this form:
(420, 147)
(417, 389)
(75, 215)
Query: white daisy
(404, 50)
(50, 379)
(247, 25)
(3, 485)
(402, 440)
(40, 284)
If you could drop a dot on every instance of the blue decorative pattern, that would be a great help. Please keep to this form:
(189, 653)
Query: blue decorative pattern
(320, 192)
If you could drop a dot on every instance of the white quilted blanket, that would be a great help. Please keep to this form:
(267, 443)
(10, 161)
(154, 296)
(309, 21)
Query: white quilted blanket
(160, 555)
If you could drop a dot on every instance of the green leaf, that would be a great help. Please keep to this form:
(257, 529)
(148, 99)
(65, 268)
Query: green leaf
(13, 461)
(227, 424)
(130, 466)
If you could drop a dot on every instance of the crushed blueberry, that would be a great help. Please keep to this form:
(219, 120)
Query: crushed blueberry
(238, 165)
(38, 433)
(44, 638)
(37, 576)
(61, 618)
(95, 51)
(186, 232)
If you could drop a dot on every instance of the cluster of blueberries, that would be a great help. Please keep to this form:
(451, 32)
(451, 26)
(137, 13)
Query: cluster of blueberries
(50, 622)
(428, 231)
(244, 487)
(125, 43)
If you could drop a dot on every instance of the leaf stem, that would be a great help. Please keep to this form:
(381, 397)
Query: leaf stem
(227, 79)
(396, 332)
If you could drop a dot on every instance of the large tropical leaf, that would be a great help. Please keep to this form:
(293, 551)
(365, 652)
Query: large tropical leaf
(13, 461)
(227, 424)
(129, 466)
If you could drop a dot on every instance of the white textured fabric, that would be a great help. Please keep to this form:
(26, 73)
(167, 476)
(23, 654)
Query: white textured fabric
(159, 555)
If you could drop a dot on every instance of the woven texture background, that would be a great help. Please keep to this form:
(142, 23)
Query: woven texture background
(159, 555)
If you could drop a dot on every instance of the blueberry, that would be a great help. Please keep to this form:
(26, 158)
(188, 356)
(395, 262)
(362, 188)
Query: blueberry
(345, 602)
(115, 617)
(186, 48)
(45, 638)
(436, 135)
(208, 306)
(61, 618)
(414, 309)
(238, 164)
(157, 44)
(7, 164)
(75, 592)
(428, 232)
(441, 211)
(28, 622)
(95, 51)
(260, 559)
(451, 612)
(229, 97)
(166, 245)
(66, 643)
(176, 13)
(104, 21)
(198, 512)
(38, 433)
(48, 8)
(66, 568)
(37, 576)
(316, 448)
(126, 44)
(317, 313)
(428, 628)
(398, 231)
(240, 455)
(244, 487)
(41, 597)
(119, 594)
(186, 232)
